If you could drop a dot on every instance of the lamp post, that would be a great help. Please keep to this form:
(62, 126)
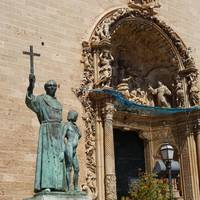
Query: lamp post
(167, 153)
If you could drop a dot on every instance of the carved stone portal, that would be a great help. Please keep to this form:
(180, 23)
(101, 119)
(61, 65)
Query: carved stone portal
(132, 51)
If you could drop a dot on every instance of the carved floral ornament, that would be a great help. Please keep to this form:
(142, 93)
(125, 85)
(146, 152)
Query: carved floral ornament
(98, 62)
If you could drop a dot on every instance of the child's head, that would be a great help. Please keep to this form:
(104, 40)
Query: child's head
(72, 116)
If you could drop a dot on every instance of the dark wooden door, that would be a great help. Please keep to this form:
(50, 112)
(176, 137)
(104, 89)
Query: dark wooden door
(129, 159)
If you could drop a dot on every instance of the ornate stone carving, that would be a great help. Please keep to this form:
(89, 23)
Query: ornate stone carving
(124, 87)
(145, 135)
(112, 22)
(147, 97)
(193, 89)
(108, 111)
(90, 147)
(145, 5)
(161, 93)
(154, 3)
(82, 93)
(178, 93)
(104, 31)
(88, 63)
(139, 96)
(90, 150)
(110, 182)
(105, 69)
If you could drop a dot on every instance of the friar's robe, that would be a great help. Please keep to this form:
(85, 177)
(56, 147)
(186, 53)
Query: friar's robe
(50, 170)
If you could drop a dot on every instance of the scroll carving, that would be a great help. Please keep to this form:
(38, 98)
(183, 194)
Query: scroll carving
(82, 94)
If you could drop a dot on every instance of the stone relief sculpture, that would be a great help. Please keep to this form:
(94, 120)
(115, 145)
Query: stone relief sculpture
(72, 134)
(139, 96)
(87, 61)
(90, 146)
(178, 93)
(105, 68)
(150, 96)
(194, 93)
(161, 93)
(124, 87)
(104, 30)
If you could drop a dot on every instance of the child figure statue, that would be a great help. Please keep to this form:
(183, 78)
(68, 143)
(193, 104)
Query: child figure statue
(72, 135)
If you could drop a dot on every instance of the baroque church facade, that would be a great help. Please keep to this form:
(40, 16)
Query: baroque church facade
(129, 68)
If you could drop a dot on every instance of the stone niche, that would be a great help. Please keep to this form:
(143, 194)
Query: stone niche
(142, 58)
(141, 53)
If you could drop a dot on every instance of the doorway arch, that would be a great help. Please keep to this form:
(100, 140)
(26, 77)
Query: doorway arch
(152, 52)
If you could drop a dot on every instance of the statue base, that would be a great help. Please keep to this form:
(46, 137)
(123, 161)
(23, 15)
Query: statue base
(60, 196)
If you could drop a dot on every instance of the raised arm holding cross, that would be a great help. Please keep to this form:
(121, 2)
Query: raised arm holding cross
(31, 75)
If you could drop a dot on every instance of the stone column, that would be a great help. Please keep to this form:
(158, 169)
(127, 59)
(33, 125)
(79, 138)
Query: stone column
(198, 145)
(146, 136)
(189, 167)
(100, 154)
(149, 156)
(110, 178)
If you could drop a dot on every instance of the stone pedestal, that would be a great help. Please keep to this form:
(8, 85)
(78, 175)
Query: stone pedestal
(59, 196)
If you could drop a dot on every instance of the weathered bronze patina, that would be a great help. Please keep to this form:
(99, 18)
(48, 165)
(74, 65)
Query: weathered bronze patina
(50, 157)
(50, 168)
(72, 135)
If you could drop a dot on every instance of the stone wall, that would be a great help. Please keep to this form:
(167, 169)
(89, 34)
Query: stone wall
(56, 30)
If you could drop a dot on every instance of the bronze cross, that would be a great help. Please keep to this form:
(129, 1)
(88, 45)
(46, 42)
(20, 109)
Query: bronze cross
(31, 54)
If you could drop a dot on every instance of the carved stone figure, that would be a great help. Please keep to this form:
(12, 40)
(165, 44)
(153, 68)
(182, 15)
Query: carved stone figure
(194, 94)
(87, 61)
(106, 27)
(138, 96)
(179, 94)
(72, 134)
(105, 71)
(124, 87)
(160, 93)
(189, 60)
(150, 96)
(50, 170)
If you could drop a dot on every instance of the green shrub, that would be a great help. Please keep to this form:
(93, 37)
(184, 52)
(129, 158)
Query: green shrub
(148, 188)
